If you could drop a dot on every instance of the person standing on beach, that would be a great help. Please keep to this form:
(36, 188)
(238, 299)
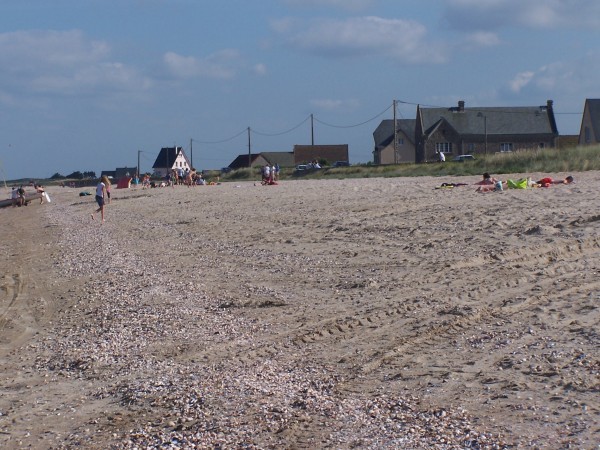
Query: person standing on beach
(106, 182)
(100, 195)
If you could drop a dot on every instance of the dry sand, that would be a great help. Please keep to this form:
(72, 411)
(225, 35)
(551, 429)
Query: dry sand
(368, 313)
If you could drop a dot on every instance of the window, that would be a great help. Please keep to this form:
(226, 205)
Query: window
(471, 147)
(400, 141)
(506, 147)
(443, 147)
(542, 145)
(588, 137)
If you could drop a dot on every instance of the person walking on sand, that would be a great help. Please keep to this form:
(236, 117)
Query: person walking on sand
(106, 182)
(100, 195)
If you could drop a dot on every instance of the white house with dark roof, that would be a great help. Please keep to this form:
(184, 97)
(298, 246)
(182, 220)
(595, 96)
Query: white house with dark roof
(170, 158)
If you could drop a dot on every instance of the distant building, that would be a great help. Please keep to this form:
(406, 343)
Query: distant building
(460, 130)
(589, 132)
(252, 160)
(125, 172)
(331, 153)
(404, 151)
(283, 159)
(170, 158)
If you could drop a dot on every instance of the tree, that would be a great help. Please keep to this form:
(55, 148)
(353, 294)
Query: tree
(77, 175)
(57, 176)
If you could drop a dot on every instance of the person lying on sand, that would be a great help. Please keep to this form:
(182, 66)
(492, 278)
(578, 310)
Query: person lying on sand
(496, 187)
(547, 181)
(487, 180)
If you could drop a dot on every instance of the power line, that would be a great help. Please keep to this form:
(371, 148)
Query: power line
(405, 102)
(222, 140)
(357, 124)
(282, 132)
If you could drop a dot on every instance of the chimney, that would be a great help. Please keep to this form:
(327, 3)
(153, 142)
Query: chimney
(461, 106)
(549, 104)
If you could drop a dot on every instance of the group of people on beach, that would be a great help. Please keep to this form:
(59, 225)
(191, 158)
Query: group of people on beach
(19, 198)
(491, 184)
(270, 174)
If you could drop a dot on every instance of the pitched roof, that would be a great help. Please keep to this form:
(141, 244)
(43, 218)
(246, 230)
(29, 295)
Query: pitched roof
(305, 153)
(517, 120)
(167, 156)
(384, 133)
(284, 159)
(242, 160)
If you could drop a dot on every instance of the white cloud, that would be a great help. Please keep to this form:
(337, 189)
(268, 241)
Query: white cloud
(351, 5)
(335, 105)
(30, 50)
(541, 14)
(574, 78)
(260, 69)
(483, 39)
(400, 40)
(62, 62)
(220, 65)
(520, 80)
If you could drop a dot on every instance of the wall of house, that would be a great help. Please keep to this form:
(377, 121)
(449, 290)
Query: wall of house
(406, 153)
(476, 146)
(587, 135)
(259, 162)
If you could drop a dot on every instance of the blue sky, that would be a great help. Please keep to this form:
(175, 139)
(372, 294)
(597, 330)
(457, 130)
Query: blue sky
(87, 84)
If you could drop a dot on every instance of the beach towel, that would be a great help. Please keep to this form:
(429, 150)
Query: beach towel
(519, 184)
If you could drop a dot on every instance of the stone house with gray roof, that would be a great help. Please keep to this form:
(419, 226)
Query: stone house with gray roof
(460, 130)
(589, 132)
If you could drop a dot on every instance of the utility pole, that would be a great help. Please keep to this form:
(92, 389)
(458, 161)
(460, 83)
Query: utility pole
(312, 130)
(249, 150)
(395, 136)
(138, 166)
(485, 131)
(191, 154)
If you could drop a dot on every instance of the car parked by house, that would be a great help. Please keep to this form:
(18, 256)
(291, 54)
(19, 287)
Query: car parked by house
(463, 158)
(341, 164)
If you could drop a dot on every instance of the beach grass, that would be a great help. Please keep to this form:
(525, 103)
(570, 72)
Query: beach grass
(550, 160)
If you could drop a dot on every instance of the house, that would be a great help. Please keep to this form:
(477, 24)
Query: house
(170, 158)
(283, 159)
(247, 160)
(120, 172)
(589, 132)
(125, 172)
(404, 152)
(460, 130)
(306, 153)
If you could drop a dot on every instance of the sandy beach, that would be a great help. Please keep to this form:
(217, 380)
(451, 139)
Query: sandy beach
(360, 313)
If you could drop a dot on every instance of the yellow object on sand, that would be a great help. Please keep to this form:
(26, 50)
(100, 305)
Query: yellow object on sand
(519, 184)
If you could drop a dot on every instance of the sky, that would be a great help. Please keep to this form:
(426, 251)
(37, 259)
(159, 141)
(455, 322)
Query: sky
(91, 85)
